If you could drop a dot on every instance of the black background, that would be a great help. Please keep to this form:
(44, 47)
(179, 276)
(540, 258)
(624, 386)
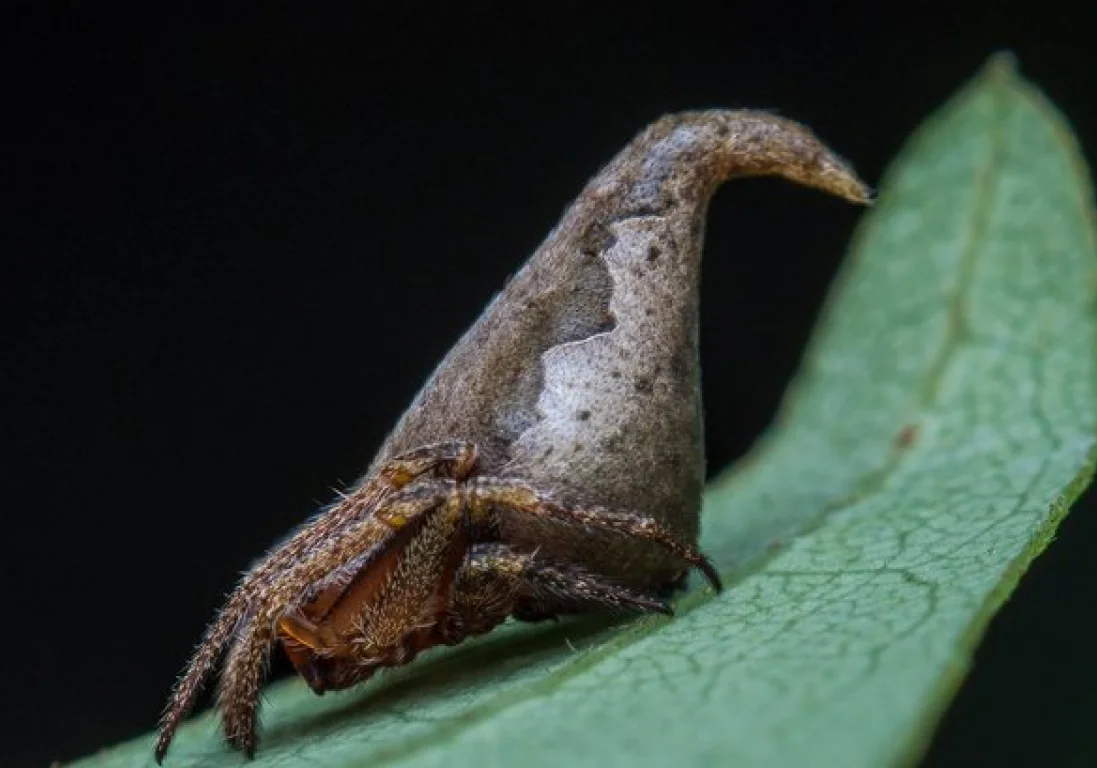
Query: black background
(235, 242)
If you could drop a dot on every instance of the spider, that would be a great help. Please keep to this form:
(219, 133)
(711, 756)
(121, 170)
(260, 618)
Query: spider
(410, 560)
(552, 464)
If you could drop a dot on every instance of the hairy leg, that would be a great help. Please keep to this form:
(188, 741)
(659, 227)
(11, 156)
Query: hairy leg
(454, 459)
(498, 581)
(491, 498)
(390, 527)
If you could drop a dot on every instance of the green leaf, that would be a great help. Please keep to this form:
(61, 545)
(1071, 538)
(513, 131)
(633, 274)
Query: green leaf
(944, 418)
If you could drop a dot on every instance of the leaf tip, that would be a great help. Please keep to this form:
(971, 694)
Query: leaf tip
(1001, 68)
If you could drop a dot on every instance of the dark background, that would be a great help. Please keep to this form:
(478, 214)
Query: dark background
(235, 242)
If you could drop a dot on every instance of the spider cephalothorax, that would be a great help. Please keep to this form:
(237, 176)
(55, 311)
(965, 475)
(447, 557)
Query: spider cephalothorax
(551, 465)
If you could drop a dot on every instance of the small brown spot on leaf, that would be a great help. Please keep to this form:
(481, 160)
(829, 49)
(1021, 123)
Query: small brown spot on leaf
(906, 437)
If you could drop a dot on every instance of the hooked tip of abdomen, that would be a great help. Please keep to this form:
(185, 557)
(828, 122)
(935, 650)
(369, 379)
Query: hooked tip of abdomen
(712, 146)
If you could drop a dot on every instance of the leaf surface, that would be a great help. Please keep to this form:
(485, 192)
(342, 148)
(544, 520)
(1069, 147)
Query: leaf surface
(943, 420)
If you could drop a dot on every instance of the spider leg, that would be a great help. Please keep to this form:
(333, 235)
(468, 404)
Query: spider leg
(489, 497)
(455, 458)
(498, 580)
(569, 588)
(392, 527)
